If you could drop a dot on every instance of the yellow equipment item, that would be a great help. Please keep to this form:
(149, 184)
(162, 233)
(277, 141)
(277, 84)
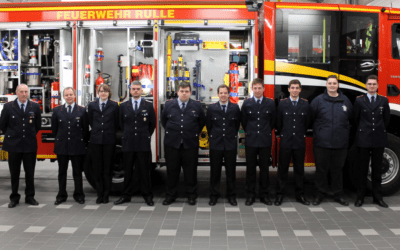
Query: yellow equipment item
(169, 52)
(203, 138)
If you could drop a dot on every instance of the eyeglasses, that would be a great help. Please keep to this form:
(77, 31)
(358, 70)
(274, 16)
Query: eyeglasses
(101, 91)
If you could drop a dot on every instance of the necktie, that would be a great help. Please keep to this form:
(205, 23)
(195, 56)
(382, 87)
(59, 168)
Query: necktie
(22, 107)
(372, 99)
(294, 103)
(183, 106)
(102, 106)
(258, 102)
(69, 109)
(223, 107)
(136, 106)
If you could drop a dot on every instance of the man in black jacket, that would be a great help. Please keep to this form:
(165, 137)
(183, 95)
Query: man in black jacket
(138, 121)
(331, 114)
(70, 126)
(258, 120)
(223, 122)
(293, 119)
(183, 119)
(20, 121)
(372, 115)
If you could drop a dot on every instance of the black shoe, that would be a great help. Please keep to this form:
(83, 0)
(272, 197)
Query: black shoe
(168, 201)
(232, 201)
(302, 200)
(31, 201)
(266, 201)
(359, 203)
(250, 201)
(13, 204)
(341, 200)
(59, 201)
(212, 201)
(149, 202)
(106, 200)
(380, 203)
(99, 200)
(121, 200)
(278, 201)
(192, 201)
(317, 201)
(81, 201)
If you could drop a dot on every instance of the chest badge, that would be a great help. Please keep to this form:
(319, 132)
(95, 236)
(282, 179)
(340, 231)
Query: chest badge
(193, 111)
(144, 119)
(344, 108)
(30, 121)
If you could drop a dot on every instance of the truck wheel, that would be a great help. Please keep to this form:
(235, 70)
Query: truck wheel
(390, 167)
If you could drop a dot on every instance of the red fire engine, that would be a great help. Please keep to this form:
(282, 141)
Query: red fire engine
(206, 43)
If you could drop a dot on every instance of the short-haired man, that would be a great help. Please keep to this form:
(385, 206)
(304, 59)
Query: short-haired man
(70, 126)
(20, 121)
(138, 121)
(331, 114)
(183, 119)
(258, 120)
(372, 116)
(223, 122)
(293, 119)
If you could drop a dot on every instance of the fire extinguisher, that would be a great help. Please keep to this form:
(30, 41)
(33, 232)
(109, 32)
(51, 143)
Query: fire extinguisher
(55, 94)
(234, 82)
(99, 81)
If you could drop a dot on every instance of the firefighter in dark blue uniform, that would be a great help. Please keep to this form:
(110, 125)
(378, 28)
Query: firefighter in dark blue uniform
(293, 119)
(258, 120)
(20, 121)
(138, 121)
(183, 119)
(70, 126)
(331, 115)
(223, 122)
(103, 117)
(372, 116)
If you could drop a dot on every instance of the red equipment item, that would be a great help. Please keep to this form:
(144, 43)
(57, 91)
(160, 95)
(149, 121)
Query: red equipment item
(135, 73)
(146, 72)
(99, 81)
(55, 94)
(234, 82)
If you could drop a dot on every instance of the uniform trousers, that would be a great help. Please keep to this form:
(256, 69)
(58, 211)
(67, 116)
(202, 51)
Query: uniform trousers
(76, 161)
(285, 155)
(187, 160)
(216, 158)
(14, 164)
(364, 156)
(251, 170)
(329, 160)
(137, 169)
(102, 158)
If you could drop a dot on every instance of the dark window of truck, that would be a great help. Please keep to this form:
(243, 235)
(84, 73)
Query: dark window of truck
(396, 41)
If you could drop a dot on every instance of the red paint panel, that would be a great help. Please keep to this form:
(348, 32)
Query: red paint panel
(120, 14)
(45, 149)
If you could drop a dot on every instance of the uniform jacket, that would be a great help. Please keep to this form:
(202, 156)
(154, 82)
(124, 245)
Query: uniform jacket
(292, 123)
(137, 126)
(258, 120)
(331, 117)
(182, 126)
(70, 130)
(104, 123)
(372, 121)
(223, 126)
(20, 128)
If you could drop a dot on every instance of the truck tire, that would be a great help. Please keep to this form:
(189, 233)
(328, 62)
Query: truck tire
(390, 167)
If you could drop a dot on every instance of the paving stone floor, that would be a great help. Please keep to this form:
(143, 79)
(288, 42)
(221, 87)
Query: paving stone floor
(180, 226)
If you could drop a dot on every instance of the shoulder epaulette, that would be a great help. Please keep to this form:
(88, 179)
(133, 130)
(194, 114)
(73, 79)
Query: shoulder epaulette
(304, 99)
(197, 100)
(81, 106)
(148, 101)
(360, 96)
(383, 96)
(283, 99)
(168, 100)
(270, 98)
(114, 101)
